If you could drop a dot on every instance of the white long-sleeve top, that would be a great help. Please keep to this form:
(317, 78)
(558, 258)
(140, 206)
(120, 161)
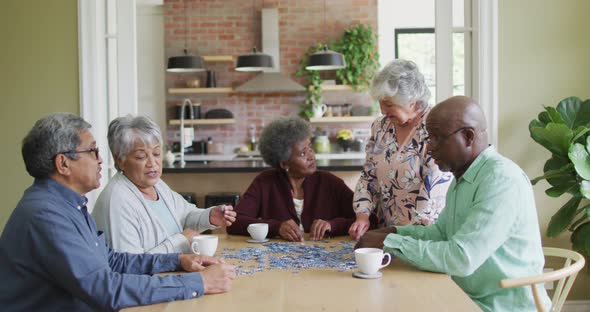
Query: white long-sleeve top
(131, 226)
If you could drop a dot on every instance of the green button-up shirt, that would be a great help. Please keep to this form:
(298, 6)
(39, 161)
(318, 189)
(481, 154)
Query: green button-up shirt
(488, 232)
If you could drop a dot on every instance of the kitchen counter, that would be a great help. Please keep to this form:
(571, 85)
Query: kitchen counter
(258, 165)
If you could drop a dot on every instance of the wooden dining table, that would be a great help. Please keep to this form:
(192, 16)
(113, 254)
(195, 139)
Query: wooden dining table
(401, 288)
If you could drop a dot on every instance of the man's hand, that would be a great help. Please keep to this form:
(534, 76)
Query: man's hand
(319, 228)
(218, 278)
(189, 234)
(360, 226)
(196, 263)
(290, 231)
(372, 239)
(222, 215)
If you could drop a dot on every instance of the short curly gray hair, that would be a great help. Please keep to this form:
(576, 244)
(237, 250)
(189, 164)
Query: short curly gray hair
(279, 136)
(51, 135)
(125, 132)
(402, 81)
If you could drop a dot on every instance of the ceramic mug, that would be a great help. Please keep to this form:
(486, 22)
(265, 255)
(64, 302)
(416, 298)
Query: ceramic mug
(369, 260)
(204, 245)
(258, 231)
(319, 110)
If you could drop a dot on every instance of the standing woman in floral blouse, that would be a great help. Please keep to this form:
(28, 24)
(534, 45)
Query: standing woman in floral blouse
(400, 181)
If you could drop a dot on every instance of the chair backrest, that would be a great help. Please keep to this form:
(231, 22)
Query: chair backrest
(573, 263)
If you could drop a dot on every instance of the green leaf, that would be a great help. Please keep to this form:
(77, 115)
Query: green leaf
(544, 118)
(563, 217)
(558, 190)
(574, 112)
(585, 188)
(581, 160)
(554, 164)
(554, 115)
(583, 218)
(555, 137)
(579, 132)
(581, 239)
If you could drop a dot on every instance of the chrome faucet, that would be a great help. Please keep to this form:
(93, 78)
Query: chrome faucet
(182, 139)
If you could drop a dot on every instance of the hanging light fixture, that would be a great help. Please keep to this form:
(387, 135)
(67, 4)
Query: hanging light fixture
(325, 59)
(185, 63)
(255, 61)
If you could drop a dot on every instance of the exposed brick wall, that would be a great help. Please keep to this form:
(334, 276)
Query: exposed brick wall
(233, 27)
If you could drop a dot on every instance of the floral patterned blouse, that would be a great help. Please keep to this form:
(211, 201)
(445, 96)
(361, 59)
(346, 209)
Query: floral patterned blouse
(401, 184)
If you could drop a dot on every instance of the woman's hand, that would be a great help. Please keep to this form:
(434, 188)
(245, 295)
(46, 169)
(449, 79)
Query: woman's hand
(222, 215)
(360, 226)
(189, 234)
(196, 263)
(290, 231)
(319, 228)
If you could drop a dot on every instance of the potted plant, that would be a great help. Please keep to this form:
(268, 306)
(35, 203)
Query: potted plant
(358, 45)
(565, 131)
(344, 137)
(313, 82)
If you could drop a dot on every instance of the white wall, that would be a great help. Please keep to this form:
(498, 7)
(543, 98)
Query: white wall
(544, 56)
(151, 64)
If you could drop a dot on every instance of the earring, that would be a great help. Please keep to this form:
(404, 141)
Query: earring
(287, 169)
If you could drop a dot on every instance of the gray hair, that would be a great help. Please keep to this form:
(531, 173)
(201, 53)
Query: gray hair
(125, 132)
(51, 135)
(402, 81)
(279, 136)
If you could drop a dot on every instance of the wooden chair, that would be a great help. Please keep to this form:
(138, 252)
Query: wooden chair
(574, 262)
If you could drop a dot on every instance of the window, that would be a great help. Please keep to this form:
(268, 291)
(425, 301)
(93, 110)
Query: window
(465, 41)
(418, 45)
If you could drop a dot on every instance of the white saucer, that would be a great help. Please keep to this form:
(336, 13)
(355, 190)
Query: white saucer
(363, 275)
(257, 241)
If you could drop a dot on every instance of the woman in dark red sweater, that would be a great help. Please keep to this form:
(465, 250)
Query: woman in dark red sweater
(294, 197)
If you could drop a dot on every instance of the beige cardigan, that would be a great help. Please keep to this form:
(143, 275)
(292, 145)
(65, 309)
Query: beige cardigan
(130, 226)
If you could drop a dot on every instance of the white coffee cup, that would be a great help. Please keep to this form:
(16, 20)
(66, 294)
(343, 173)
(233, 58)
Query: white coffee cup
(204, 244)
(319, 110)
(369, 260)
(258, 231)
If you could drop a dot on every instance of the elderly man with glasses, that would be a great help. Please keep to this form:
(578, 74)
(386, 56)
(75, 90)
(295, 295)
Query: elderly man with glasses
(53, 258)
(488, 230)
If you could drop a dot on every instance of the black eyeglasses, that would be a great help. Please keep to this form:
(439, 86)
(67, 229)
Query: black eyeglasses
(434, 141)
(88, 150)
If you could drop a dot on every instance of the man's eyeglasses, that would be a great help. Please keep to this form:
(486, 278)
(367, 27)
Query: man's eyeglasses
(88, 150)
(435, 141)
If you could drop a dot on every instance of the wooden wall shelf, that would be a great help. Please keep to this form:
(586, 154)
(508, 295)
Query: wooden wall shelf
(199, 90)
(336, 88)
(217, 58)
(347, 119)
(203, 122)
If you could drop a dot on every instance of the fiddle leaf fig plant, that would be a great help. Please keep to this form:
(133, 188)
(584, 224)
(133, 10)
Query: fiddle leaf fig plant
(564, 130)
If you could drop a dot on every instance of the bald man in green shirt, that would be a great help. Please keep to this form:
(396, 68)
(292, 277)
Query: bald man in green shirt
(489, 229)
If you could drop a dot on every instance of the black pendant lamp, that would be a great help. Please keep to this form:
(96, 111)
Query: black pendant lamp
(325, 59)
(254, 61)
(185, 63)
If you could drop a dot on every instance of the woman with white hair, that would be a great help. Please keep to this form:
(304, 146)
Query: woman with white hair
(138, 212)
(400, 182)
(294, 197)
